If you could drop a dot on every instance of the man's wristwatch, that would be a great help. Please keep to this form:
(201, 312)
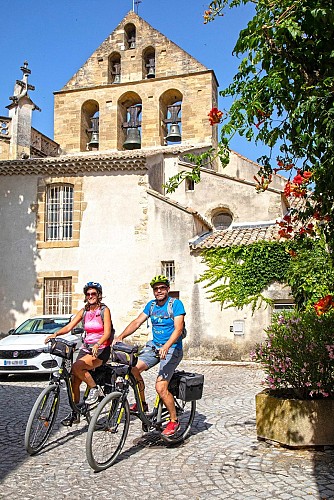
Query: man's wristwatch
(98, 343)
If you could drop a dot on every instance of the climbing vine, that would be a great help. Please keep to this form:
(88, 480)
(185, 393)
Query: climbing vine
(238, 276)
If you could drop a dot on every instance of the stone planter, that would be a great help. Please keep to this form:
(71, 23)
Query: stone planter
(294, 422)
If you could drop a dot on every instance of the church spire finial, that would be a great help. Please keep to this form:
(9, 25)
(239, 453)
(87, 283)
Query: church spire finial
(135, 5)
(22, 87)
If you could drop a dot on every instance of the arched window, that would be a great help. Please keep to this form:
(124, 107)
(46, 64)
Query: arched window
(130, 36)
(221, 219)
(149, 63)
(89, 139)
(114, 73)
(129, 118)
(171, 117)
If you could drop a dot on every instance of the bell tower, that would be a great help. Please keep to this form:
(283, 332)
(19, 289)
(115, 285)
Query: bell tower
(137, 90)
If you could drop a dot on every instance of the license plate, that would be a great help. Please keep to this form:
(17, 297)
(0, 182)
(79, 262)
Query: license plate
(15, 362)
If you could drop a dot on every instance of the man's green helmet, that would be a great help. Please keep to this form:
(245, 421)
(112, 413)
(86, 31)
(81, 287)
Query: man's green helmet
(159, 279)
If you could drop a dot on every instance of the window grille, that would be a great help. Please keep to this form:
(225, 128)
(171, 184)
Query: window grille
(168, 269)
(58, 296)
(59, 212)
(222, 220)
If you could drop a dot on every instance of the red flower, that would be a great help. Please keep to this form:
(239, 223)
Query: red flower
(324, 305)
(307, 175)
(215, 116)
(298, 179)
(283, 234)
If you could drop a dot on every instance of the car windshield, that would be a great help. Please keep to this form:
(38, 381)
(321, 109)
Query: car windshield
(41, 325)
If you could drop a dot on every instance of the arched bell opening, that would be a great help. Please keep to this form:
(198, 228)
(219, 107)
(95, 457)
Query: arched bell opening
(149, 63)
(171, 117)
(90, 121)
(114, 71)
(130, 109)
(130, 36)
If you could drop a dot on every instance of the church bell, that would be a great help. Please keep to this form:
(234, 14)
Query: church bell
(94, 139)
(133, 140)
(150, 68)
(174, 134)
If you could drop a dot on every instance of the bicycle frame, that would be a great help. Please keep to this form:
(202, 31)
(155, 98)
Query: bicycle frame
(149, 420)
(65, 374)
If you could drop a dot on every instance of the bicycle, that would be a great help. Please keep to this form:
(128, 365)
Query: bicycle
(109, 426)
(44, 412)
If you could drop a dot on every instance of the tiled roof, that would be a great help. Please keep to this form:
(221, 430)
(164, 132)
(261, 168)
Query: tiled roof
(98, 161)
(238, 235)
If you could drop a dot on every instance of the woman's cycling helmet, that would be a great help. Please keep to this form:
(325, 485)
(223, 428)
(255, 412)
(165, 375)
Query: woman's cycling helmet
(93, 284)
(159, 279)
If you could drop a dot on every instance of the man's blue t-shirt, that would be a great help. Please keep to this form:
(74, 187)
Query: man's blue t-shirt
(162, 324)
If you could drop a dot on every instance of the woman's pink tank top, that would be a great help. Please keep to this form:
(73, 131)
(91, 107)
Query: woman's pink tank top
(94, 327)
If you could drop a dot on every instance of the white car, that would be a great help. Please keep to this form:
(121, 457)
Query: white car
(19, 351)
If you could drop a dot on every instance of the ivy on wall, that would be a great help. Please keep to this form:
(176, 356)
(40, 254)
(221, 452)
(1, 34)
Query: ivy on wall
(237, 276)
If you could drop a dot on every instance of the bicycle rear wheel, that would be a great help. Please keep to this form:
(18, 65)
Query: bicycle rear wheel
(107, 431)
(41, 419)
(185, 411)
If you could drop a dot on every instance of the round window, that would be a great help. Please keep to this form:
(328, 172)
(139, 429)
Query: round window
(222, 220)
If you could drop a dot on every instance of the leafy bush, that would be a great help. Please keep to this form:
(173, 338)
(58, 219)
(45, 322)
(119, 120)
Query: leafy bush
(298, 354)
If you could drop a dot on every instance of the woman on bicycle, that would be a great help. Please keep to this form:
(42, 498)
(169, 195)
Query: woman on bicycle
(95, 349)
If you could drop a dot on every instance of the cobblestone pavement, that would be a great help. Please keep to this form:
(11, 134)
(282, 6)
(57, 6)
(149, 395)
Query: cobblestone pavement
(221, 459)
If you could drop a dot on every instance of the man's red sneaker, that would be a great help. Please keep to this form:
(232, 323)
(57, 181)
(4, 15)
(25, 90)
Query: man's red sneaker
(171, 428)
(134, 407)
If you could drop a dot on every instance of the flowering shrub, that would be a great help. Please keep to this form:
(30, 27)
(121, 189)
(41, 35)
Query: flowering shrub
(298, 354)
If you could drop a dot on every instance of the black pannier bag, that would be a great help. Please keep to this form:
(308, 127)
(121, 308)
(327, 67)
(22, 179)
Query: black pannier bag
(62, 349)
(186, 386)
(124, 353)
(105, 376)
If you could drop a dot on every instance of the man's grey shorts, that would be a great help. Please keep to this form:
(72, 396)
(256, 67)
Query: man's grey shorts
(167, 365)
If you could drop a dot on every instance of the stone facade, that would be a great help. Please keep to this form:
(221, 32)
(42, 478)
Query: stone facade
(124, 229)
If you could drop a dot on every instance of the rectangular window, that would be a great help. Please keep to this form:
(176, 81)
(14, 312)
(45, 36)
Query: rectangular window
(57, 296)
(284, 306)
(190, 184)
(168, 269)
(59, 213)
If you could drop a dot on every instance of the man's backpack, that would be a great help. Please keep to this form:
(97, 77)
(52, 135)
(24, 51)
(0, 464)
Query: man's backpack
(170, 313)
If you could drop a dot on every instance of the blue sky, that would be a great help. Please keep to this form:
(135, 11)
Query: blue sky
(56, 38)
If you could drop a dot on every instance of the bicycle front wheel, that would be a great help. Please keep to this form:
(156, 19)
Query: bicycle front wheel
(41, 419)
(185, 411)
(107, 431)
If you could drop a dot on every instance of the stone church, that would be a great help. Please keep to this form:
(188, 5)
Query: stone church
(90, 204)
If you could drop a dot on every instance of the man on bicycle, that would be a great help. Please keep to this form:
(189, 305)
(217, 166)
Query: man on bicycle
(165, 347)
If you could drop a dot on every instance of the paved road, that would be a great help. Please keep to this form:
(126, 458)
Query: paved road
(221, 459)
